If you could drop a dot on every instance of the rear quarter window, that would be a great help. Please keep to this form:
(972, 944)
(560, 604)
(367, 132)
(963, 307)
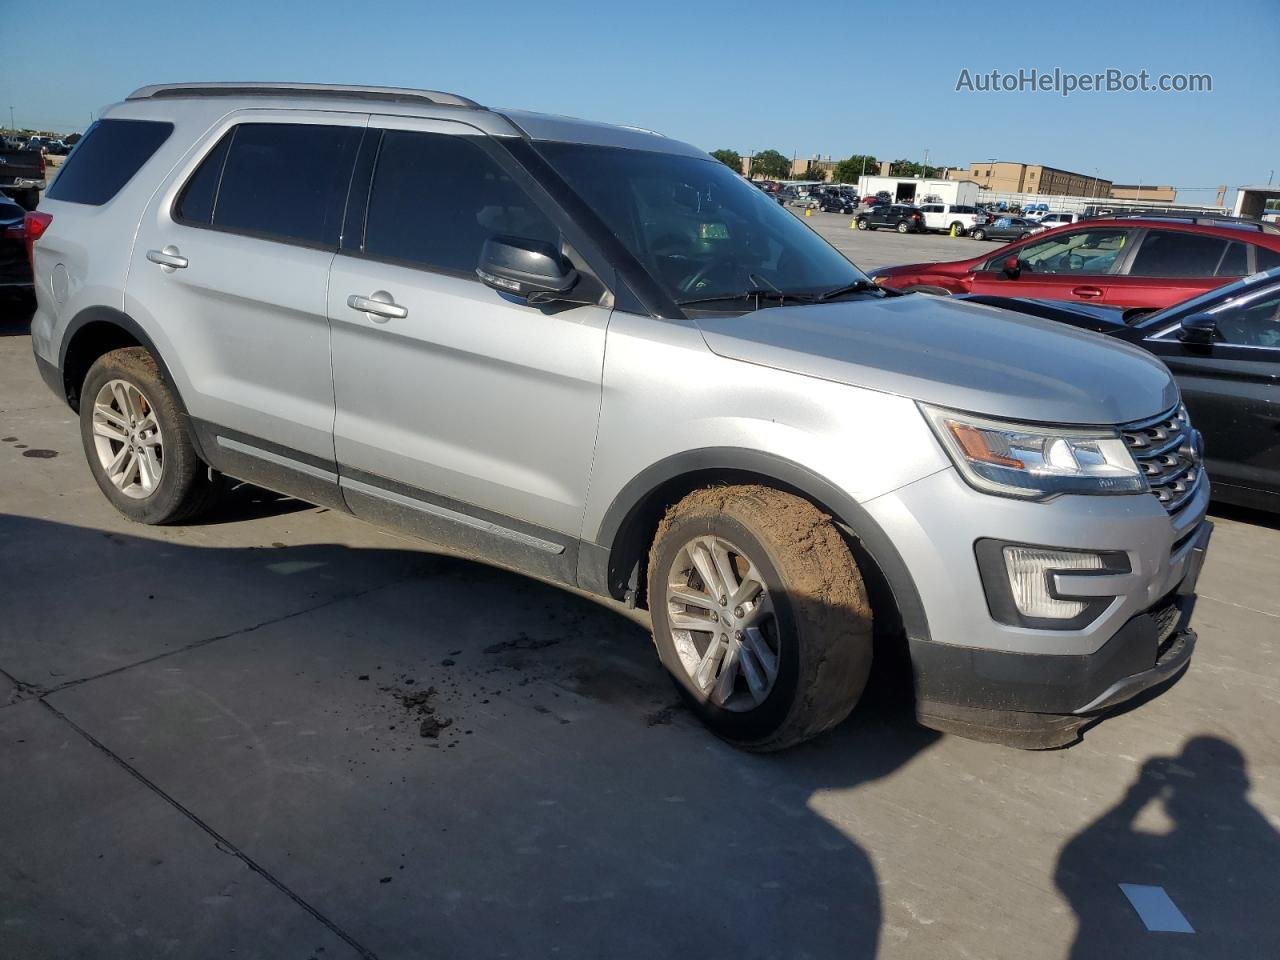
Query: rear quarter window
(108, 156)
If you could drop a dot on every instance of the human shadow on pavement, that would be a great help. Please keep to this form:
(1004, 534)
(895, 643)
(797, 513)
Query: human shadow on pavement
(1215, 855)
(570, 806)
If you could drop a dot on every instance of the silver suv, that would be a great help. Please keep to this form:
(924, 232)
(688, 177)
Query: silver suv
(597, 355)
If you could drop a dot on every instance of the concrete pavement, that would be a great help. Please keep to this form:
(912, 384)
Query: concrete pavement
(212, 744)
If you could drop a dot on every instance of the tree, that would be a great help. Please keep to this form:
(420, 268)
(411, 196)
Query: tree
(730, 158)
(848, 171)
(770, 163)
(909, 168)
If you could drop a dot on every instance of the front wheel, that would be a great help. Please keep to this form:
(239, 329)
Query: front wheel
(759, 614)
(137, 442)
(979, 234)
(862, 224)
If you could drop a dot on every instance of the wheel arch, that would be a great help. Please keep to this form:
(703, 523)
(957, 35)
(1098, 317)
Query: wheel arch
(613, 563)
(97, 330)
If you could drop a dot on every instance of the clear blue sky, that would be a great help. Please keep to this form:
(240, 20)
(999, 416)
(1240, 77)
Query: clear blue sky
(840, 79)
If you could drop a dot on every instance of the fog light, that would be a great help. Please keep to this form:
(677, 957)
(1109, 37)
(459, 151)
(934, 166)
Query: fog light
(1029, 568)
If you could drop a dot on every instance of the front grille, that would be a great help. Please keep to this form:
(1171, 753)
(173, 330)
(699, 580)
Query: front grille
(1167, 451)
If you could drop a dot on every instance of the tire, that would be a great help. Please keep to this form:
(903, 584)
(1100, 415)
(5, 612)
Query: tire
(979, 234)
(904, 227)
(815, 629)
(862, 223)
(123, 385)
(958, 227)
(926, 289)
(1023, 236)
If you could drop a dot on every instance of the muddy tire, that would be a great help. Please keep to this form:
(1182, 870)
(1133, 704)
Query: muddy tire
(806, 631)
(138, 443)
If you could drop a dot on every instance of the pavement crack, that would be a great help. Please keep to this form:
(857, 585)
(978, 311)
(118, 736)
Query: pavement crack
(31, 690)
(220, 842)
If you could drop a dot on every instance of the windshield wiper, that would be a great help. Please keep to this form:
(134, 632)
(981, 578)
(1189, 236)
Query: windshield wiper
(858, 286)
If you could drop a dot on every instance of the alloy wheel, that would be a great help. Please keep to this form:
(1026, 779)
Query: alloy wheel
(723, 623)
(126, 436)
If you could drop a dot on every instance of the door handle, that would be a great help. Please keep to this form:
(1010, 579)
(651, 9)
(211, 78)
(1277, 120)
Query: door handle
(168, 258)
(378, 304)
(1087, 293)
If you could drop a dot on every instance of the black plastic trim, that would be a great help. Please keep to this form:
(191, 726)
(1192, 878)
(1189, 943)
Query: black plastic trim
(995, 584)
(972, 678)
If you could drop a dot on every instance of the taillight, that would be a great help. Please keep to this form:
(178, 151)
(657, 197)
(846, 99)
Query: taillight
(42, 166)
(915, 216)
(35, 223)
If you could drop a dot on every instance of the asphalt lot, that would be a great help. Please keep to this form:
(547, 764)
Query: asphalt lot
(211, 739)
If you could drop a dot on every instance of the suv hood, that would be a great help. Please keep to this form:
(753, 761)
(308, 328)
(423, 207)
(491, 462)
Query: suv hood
(959, 355)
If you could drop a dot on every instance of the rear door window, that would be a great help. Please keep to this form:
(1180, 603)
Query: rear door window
(106, 158)
(1268, 259)
(1168, 253)
(436, 198)
(279, 181)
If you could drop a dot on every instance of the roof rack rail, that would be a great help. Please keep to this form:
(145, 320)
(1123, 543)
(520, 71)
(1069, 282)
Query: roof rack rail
(393, 94)
(1203, 219)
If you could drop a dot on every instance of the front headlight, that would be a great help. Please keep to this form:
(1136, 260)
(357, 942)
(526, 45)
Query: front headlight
(1032, 461)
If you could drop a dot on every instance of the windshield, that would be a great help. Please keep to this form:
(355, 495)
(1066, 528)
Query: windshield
(701, 231)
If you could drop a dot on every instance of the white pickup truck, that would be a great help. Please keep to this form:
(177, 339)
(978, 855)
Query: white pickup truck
(941, 216)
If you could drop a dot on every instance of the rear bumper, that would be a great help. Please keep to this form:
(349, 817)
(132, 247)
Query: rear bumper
(1041, 700)
(51, 376)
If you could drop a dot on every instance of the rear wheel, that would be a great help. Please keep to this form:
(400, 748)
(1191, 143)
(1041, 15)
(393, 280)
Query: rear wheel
(904, 227)
(759, 615)
(957, 228)
(137, 442)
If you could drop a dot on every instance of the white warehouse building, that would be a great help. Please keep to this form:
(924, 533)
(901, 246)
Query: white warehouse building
(918, 190)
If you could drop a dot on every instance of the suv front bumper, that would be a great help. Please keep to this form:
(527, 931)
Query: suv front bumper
(1040, 701)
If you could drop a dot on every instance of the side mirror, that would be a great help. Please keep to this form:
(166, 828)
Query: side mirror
(1198, 328)
(524, 268)
(1012, 268)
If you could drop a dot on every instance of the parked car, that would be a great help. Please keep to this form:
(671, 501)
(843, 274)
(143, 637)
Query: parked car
(22, 175)
(591, 353)
(837, 201)
(945, 216)
(898, 216)
(15, 266)
(1148, 264)
(1005, 228)
(1224, 350)
(1058, 219)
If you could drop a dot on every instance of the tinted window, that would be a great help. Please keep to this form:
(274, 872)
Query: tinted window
(1255, 324)
(195, 204)
(436, 198)
(1235, 262)
(696, 226)
(1165, 253)
(1088, 252)
(285, 181)
(1267, 259)
(108, 156)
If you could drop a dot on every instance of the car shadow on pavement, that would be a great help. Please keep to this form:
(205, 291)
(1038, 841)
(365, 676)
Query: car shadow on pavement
(1185, 825)
(436, 756)
(15, 317)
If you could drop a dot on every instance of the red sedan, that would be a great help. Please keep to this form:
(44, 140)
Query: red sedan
(1146, 263)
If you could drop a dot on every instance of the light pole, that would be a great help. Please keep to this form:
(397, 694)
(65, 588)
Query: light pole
(12, 128)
